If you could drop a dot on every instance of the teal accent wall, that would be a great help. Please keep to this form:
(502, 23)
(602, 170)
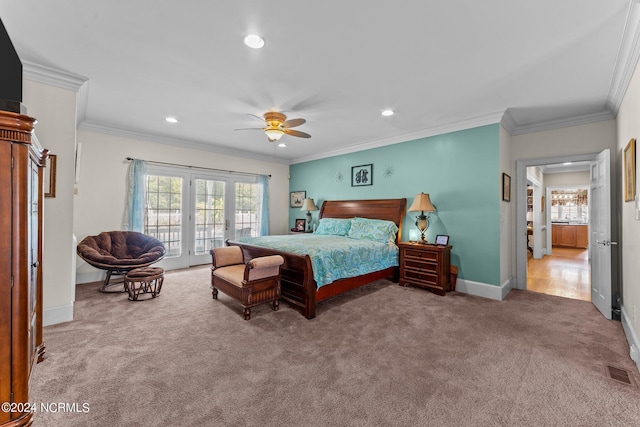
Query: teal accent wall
(459, 170)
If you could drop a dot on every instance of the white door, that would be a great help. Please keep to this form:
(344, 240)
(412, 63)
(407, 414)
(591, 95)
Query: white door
(194, 213)
(600, 217)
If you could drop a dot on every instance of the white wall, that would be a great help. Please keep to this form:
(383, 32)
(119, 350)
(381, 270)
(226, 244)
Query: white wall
(582, 139)
(567, 178)
(629, 127)
(102, 187)
(55, 110)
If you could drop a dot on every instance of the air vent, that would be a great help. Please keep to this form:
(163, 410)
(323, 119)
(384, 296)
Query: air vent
(620, 375)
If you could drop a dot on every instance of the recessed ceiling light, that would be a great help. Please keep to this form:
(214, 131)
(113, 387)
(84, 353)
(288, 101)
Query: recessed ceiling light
(388, 113)
(566, 163)
(171, 119)
(254, 41)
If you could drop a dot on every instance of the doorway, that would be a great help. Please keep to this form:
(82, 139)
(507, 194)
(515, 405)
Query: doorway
(564, 268)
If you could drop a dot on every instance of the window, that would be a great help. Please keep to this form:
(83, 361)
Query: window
(163, 212)
(246, 214)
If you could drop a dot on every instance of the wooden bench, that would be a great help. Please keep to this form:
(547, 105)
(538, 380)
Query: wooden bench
(252, 283)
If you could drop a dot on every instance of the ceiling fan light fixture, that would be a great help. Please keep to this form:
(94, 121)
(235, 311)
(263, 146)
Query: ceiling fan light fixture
(254, 41)
(274, 134)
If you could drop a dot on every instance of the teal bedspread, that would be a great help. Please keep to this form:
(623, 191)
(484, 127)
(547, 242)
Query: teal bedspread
(333, 257)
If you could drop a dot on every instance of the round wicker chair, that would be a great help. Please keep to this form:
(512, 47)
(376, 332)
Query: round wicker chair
(119, 252)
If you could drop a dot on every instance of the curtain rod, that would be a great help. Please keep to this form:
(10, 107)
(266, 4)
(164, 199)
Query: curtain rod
(197, 167)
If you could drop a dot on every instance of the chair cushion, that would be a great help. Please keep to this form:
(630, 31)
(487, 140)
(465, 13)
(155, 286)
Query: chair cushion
(121, 248)
(233, 274)
(266, 261)
(227, 255)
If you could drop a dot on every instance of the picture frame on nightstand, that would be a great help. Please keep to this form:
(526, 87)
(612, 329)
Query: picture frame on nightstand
(442, 239)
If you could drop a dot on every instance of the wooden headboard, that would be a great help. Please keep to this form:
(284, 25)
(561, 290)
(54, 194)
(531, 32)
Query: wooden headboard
(388, 209)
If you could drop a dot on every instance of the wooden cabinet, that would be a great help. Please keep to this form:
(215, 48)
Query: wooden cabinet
(21, 346)
(567, 235)
(582, 236)
(570, 236)
(426, 266)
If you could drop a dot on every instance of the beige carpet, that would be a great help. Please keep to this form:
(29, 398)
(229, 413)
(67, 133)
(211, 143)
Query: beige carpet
(382, 355)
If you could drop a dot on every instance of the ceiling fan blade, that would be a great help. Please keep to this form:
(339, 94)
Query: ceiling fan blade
(294, 122)
(297, 133)
(256, 117)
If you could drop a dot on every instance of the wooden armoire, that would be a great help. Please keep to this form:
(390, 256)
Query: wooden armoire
(22, 163)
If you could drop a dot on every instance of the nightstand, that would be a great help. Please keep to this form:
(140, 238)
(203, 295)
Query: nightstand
(425, 265)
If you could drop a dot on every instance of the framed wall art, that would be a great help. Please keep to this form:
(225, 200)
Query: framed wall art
(362, 175)
(297, 198)
(49, 178)
(506, 187)
(629, 162)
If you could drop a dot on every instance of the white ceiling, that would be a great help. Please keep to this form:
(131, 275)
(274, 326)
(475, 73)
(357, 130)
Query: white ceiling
(441, 65)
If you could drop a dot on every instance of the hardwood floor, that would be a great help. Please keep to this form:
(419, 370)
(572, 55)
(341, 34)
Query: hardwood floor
(566, 273)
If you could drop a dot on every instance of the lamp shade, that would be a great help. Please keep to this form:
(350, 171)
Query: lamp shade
(308, 205)
(422, 203)
(273, 134)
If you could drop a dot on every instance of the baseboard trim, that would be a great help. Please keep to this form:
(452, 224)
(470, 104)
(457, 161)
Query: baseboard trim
(59, 314)
(88, 277)
(632, 338)
(484, 289)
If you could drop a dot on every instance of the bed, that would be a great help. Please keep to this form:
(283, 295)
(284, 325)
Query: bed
(299, 288)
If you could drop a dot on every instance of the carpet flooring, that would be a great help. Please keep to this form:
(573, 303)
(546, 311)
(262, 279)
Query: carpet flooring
(381, 355)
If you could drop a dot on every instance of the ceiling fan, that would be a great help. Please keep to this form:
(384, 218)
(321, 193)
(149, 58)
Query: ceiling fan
(276, 125)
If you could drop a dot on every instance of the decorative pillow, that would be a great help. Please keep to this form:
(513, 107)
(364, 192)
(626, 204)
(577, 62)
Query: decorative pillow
(377, 230)
(334, 226)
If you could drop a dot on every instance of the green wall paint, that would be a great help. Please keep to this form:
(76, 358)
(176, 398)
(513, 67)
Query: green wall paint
(460, 171)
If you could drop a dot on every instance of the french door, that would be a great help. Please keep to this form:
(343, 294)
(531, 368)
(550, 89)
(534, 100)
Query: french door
(192, 213)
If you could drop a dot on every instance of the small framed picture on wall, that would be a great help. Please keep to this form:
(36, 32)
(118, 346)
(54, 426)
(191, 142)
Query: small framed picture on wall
(297, 198)
(361, 175)
(506, 187)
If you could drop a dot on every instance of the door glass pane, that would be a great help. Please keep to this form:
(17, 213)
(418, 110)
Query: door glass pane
(209, 215)
(163, 212)
(246, 218)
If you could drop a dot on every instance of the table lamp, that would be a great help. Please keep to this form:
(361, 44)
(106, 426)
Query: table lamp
(308, 206)
(422, 204)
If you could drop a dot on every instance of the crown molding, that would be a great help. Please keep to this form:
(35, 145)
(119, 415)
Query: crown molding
(508, 123)
(52, 76)
(627, 60)
(194, 145)
(469, 123)
(556, 124)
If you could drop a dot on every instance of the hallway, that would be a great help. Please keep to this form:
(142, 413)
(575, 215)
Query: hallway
(566, 273)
